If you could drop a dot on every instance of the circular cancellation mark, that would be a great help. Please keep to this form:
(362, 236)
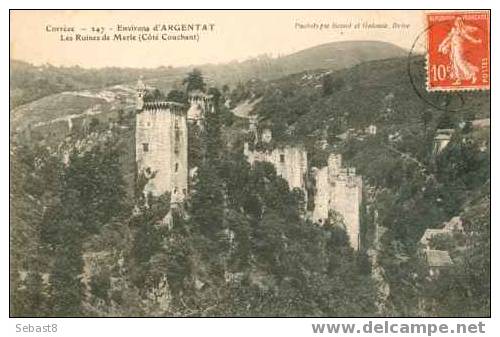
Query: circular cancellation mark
(452, 101)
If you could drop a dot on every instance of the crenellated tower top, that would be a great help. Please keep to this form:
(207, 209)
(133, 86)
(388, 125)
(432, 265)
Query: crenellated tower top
(200, 104)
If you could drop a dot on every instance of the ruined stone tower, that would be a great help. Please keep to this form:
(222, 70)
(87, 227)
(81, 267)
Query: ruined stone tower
(339, 189)
(161, 146)
(199, 105)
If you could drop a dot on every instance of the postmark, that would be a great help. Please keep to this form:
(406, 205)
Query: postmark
(458, 51)
(443, 100)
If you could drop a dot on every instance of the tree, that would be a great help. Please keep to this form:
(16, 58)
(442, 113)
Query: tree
(194, 81)
(207, 201)
(216, 96)
(68, 203)
(100, 285)
(178, 255)
(27, 188)
(147, 239)
(94, 189)
(94, 124)
(327, 84)
(65, 278)
(178, 96)
(154, 95)
(447, 120)
(35, 295)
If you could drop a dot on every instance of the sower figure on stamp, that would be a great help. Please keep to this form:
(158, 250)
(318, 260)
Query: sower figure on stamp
(453, 44)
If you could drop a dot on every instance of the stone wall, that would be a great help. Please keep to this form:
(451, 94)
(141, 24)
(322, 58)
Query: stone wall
(345, 199)
(161, 148)
(338, 189)
(199, 104)
(290, 163)
(322, 195)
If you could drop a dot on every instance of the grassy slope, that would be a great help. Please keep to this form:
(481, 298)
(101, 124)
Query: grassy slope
(29, 82)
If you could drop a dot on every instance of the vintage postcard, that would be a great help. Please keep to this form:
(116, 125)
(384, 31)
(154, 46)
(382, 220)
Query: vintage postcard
(250, 163)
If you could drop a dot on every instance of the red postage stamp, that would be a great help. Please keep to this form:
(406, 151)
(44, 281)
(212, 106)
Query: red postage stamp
(458, 51)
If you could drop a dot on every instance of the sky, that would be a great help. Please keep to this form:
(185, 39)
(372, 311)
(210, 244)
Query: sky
(236, 36)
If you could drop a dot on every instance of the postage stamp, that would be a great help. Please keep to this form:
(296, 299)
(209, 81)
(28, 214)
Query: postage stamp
(458, 51)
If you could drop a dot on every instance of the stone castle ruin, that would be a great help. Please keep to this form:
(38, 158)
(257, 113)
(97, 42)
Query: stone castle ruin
(200, 103)
(337, 188)
(159, 148)
(290, 161)
(161, 139)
